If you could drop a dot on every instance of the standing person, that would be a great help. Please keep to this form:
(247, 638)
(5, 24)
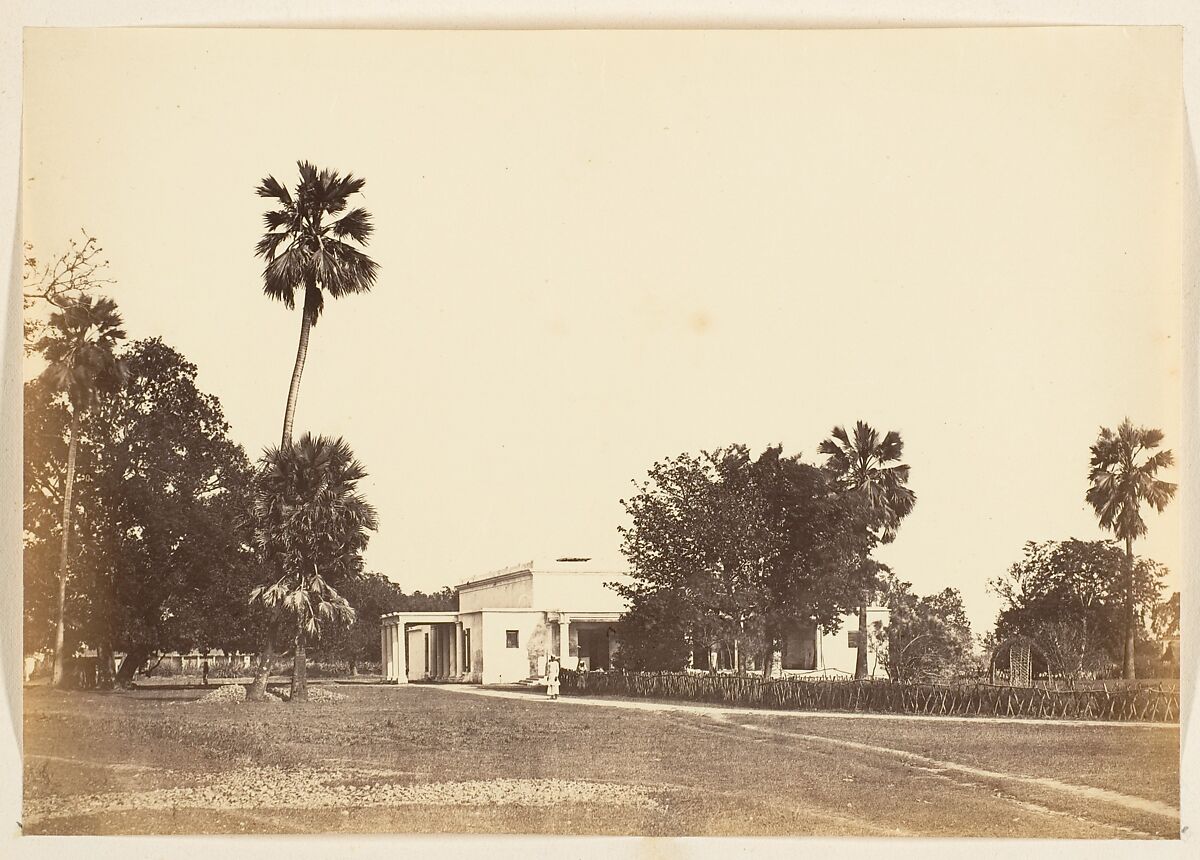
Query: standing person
(204, 673)
(552, 677)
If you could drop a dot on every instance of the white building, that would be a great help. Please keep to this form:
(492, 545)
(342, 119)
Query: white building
(509, 621)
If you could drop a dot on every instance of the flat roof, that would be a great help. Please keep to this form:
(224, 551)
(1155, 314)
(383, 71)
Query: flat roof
(574, 564)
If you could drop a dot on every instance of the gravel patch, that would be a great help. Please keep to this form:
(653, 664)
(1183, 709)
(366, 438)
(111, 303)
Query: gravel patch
(227, 694)
(276, 788)
(315, 694)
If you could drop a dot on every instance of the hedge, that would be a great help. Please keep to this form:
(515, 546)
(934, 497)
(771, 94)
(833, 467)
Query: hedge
(1149, 704)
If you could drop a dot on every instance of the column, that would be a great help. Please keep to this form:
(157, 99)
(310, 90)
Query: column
(400, 651)
(564, 639)
(384, 653)
(459, 647)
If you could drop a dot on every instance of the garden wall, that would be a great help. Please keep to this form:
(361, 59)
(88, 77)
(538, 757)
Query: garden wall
(1152, 704)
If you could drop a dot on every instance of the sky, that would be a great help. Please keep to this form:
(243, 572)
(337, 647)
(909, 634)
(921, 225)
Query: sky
(601, 249)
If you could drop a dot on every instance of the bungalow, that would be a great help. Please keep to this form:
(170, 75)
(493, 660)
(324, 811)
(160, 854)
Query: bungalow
(509, 621)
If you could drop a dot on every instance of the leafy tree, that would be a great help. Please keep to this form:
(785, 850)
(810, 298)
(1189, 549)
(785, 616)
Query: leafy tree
(869, 468)
(444, 599)
(698, 527)
(656, 632)
(1165, 624)
(78, 346)
(164, 556)
(735, 547)
(1122, 479)
(1165, 618)
(1069, 597)
(815, 572)
(927, 638)
(312, 526)
(306, 249)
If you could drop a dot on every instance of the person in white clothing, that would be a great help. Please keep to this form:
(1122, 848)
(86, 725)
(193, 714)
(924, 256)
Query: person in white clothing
(552, 677)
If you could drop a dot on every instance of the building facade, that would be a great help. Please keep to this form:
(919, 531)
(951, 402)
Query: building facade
(507, 624)
(510, 621)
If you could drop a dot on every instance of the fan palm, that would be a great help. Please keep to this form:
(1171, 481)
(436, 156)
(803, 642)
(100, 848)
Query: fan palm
(1122, 478)
(312, 523)
(308, 247)
(869, 467)
(79, 349)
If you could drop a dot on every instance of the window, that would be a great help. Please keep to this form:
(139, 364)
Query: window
(512, 639)
(467, 650)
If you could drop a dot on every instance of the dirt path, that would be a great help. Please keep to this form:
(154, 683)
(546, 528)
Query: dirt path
(1073, 795)
(1086, 792)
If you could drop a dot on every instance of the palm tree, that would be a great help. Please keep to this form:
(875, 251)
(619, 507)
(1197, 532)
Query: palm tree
(312, 524)
(1119, 482)
(305, 249)
(869, 467)
(79, 347)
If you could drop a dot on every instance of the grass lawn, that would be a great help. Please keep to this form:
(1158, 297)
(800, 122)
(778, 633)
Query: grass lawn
(420, 759)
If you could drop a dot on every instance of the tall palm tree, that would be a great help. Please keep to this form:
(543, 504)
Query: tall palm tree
(870, 467)
(1122, 477)
(312, 524)
(306, 249)
(79, 349)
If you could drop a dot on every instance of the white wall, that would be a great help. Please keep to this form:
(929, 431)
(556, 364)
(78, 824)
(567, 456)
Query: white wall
(514, 591)
(473, 622)
(501, 664)
(836, 655)
(578, 590)
(416, 652)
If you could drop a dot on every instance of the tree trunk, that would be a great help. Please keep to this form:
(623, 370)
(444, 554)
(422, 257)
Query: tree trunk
(133, 661)
(59, 677)
(104, 664)
(860, 661)
(289, 412)
(773, 658)
(771, 646)
(266, 661)
(300, 668)
(1129, 667)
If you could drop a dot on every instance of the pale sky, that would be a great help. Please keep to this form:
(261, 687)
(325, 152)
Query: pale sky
(601, 249)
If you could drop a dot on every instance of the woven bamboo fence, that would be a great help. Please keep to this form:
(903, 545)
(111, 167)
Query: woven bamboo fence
(1141, 704)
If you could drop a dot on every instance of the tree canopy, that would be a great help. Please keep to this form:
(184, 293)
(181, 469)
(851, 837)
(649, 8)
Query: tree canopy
(731, 546)
(1069, 596)
(926, 638)
(163, 558)
(311, 524)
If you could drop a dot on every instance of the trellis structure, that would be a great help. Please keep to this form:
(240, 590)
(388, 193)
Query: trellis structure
(1019, 652)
